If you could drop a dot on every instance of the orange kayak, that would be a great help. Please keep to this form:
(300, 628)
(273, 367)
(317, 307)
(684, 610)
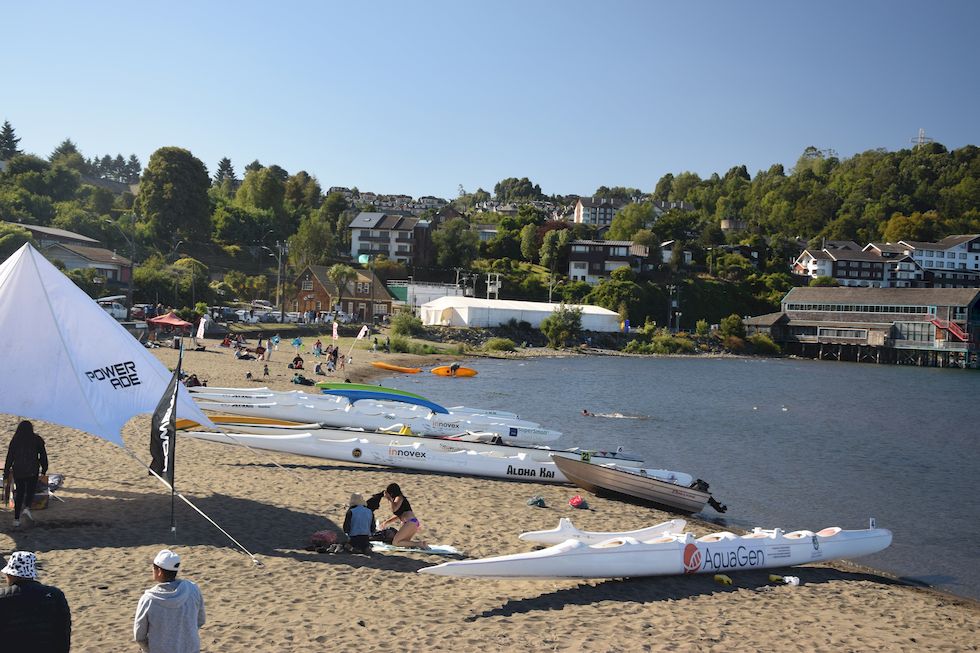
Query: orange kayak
(396, 368)
(446, 370)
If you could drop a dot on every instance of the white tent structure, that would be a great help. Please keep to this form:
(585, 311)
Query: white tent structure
(475, 312)
(67, 361)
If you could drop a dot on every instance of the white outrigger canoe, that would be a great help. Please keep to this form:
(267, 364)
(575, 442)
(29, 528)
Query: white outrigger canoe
(371, 415)
(673, 554)
(468, 442)
(426, 454)
(567, 531)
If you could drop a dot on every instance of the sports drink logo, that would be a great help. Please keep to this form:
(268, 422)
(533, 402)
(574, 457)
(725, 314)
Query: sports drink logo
(692, 558)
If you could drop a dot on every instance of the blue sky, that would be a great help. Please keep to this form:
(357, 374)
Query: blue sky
(420, 97)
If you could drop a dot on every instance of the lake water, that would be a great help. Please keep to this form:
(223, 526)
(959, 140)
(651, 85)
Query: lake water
(785, 443)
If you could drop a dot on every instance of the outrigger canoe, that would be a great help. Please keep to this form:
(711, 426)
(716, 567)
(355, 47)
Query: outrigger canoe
(567, 531)
(396, 368)
(446, 370)
(674, 554)
(638, 486)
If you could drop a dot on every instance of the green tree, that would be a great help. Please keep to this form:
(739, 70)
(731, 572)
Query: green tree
(314, 242)
(731, 326)
(562, 327)
(173, 196)
(631, 219)
(8, 142)
(529, 242)
(513, 189)
(12, 238)
(456, 245)
(302, 193)
(225, 172)
(341, 276)
(823, 282)
(618, 193)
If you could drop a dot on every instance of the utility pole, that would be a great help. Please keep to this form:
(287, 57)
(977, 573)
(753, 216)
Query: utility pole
(282, 247)
(131, 241)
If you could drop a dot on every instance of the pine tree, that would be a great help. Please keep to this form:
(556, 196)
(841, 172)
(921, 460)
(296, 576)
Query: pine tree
(133, 169)
(225, 171)
(8, 142)
(66, 148)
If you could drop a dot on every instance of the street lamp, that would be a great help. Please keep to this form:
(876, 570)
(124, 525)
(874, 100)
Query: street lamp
(132, 260)
(282, 247)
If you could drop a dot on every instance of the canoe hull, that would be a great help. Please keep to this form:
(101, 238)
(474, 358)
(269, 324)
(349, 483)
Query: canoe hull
(349, 447)
(396, 368)
(567, 531)
(603, 480)
(673, 554)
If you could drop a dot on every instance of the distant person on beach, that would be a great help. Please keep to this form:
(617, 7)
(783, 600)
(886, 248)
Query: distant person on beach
(192, 381)
(265, 370)
(26, 459)
(170, 613)
(387, 344)
(33, 617)
(297, 363)
(402, 513)
(358, 524)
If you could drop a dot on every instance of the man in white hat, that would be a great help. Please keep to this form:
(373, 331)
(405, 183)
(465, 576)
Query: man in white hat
(170, 613)
(33, 617)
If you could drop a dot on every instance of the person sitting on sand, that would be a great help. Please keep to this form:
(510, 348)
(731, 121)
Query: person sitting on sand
(318, 369)
(402, 512)
(243, 355)
(226, 342)
(358, 523)
(192, 381)
(297, 363)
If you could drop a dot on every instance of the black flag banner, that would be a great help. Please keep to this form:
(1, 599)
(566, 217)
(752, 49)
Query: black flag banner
(163, 431)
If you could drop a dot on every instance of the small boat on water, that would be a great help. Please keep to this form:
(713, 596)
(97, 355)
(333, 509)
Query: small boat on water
(447, 370)
(567, 531)
(636, 485)
(672, 553)
(396, 368)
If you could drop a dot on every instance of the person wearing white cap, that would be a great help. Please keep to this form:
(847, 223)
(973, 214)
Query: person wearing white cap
(170, 613)
(33, 617)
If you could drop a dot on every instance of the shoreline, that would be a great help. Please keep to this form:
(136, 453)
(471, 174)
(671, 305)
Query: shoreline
(96, 546)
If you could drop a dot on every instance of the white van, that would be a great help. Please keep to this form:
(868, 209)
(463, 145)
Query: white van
(112, 306)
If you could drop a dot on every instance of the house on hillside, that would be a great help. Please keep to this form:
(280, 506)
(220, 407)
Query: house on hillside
(112, 267)
(375, 234)
(592, 261)
(364, 297)
(953, 261)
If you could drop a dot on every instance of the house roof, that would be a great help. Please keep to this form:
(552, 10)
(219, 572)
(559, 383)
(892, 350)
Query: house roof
(841, 244)
(946, 243)
(593, 202)
(93, 254)
(57, 233)
(818, 255)
(604, 243)
(891, 248)
(884, 296)
(389, 221)
(851, 255)
(767, 320)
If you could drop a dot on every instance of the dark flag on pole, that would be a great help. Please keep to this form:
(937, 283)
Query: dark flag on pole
(163, 432)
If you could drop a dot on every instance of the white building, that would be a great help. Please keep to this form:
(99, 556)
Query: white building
(374, 234)
(475, 312)
(954, 261)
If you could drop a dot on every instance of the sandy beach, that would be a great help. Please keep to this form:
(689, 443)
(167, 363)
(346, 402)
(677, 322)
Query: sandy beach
(98, 544)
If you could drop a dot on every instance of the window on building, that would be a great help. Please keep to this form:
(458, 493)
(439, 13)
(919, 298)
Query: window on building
(307, 284)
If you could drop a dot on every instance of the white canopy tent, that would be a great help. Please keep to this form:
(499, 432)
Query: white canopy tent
(69, 362)
(475, 312)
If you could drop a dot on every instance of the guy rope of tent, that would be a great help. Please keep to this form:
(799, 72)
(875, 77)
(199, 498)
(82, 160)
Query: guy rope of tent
(71, 363)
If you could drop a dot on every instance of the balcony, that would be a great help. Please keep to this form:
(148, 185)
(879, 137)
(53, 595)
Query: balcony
(374, 239)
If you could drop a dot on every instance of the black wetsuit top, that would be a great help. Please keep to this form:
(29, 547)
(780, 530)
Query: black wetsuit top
(404, 507)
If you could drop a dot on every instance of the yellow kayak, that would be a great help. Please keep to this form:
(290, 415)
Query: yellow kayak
(184, 424)
(396, 368)
(446, 370)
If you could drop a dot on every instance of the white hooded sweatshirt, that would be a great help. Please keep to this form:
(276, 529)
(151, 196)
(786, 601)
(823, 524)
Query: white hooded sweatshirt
(168, 616)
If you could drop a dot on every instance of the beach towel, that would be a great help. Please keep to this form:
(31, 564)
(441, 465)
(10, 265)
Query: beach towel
(434, 549)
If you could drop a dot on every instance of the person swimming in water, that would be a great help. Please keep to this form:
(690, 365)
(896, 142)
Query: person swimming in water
(586, 413)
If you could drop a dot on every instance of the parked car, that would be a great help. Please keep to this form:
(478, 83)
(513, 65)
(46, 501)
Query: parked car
(248, 317)
(112, 306)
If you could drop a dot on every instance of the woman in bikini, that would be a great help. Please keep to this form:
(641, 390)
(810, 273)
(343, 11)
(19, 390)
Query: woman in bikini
(402, 513)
